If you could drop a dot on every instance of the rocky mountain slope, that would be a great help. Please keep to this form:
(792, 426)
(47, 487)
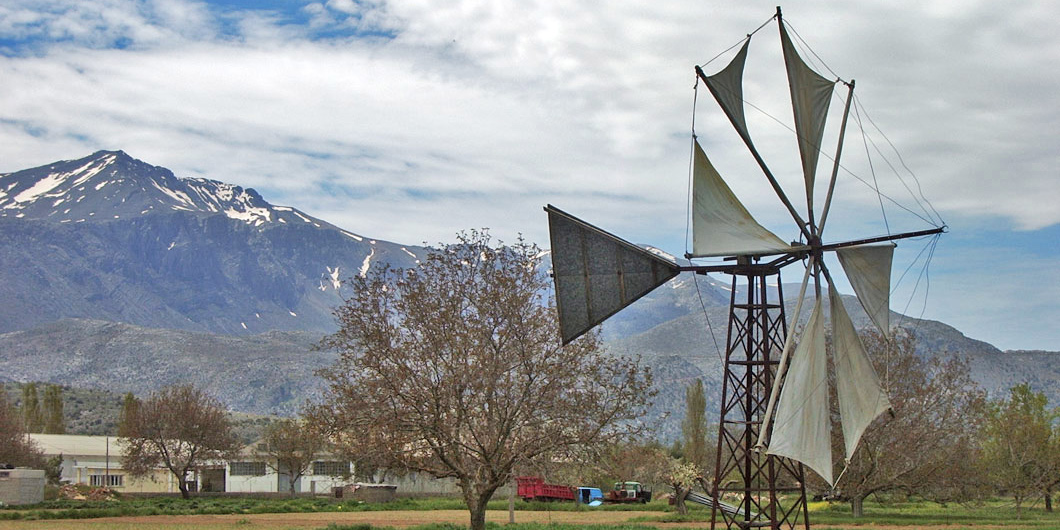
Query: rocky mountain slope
(269, 373)
(112, 238)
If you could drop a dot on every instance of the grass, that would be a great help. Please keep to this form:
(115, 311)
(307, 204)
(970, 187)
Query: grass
(145, 506)
(249, 513)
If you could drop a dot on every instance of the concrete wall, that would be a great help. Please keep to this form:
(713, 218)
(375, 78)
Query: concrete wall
(21, 486)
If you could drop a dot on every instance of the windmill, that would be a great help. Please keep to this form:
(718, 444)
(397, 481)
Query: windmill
(775, 400)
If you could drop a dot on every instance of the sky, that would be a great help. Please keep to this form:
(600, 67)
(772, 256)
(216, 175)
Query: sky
(409, 121)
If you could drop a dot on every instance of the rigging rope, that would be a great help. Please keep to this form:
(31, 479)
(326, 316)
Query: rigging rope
(740, 43)
(688, 219)
(872, 169)
(920, 190)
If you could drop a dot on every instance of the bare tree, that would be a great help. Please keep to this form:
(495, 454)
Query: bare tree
(929, 446)
(454, 369)
(289, 447)
(1019, 448)
(646, 463)
(179, 427)
(15, 447)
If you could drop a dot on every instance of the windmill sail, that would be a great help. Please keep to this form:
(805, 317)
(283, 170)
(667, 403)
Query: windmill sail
(597, 274)
(721, 225)
(868, 267)
(810, 96)
(727, 88)
(802, 427)
(860, 397)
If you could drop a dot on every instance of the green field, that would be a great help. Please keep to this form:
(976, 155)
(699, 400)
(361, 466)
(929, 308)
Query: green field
(217, 513)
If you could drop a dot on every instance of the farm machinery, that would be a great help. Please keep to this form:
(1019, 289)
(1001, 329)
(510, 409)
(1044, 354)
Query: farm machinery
(536, 489)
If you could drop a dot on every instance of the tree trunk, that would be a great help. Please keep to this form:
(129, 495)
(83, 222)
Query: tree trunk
(679, 500)
(184, 494)
(1049, 498)
(291, 485)
(477, 507)
(857, 506)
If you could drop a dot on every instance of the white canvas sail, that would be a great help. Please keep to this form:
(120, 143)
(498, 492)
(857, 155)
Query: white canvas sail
(810, 96)
(721, 225)
(868, 267)
(801, 428)
(860, 397)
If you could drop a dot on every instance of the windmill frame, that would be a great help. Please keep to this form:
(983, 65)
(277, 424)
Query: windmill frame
(769, 482)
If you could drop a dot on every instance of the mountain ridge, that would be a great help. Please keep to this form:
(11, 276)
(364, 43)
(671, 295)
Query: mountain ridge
(109, 236)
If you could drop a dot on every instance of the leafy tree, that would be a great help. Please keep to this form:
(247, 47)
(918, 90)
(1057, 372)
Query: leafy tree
(31, 413)
(1019, 446)
(454, 369)
(179, 427)
(15, 447)
(54, 423)
(929, 446)
(127, 419)
(290, 446)
(694, 426)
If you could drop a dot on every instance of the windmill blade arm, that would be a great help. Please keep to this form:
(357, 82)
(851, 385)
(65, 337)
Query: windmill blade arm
(880, 239)
(782, 368)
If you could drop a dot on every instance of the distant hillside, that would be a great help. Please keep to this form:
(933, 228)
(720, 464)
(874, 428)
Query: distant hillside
(97, 412)
(271, 373)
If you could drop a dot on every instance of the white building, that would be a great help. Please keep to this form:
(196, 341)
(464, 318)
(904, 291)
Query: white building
(96, 461)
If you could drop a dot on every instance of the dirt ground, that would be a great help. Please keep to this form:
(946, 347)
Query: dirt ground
(397, 519)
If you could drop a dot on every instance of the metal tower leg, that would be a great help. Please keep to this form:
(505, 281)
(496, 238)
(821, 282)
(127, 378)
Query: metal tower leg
(768, 491)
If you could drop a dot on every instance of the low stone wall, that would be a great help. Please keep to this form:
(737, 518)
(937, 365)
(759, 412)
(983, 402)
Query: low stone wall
(367, 492)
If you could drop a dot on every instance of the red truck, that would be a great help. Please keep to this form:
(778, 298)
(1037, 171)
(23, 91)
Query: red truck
(535, 489)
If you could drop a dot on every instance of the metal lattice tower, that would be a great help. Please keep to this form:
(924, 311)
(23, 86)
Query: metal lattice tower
(769, 490)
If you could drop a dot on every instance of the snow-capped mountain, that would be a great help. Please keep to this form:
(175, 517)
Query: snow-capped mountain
(113, 185)
(114, 238)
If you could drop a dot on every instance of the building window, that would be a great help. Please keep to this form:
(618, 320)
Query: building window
(333, 469)
(247, 469)
(110, 481)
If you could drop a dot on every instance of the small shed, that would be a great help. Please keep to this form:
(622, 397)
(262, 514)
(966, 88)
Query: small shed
(21, 486)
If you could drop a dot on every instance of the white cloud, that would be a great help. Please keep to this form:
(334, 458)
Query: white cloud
(411, 120)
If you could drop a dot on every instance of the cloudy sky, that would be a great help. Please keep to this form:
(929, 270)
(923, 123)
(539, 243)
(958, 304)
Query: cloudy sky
(411, 120)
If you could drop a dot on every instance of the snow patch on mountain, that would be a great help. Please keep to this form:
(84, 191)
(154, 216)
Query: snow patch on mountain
(366, 264)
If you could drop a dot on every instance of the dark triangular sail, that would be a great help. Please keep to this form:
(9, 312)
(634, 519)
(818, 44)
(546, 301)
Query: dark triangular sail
(597, 274)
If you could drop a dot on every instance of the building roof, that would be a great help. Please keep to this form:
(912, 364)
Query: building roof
(76, 444)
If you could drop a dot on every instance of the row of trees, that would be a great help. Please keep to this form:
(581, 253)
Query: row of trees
(41, 416)
(945, 442)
